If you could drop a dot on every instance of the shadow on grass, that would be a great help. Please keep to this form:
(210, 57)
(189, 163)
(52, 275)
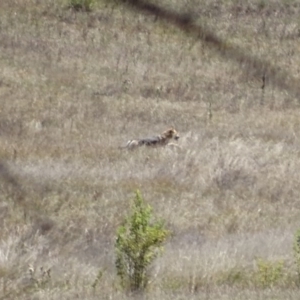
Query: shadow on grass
(252, 65)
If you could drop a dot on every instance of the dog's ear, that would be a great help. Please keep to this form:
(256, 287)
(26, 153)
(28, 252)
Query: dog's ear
(170, 130)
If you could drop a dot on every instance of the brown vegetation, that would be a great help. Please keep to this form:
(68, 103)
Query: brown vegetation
(74, 85)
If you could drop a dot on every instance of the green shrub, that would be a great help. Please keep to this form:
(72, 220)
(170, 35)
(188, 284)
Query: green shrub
(297, 252)
(139, 241)
(269, 273)
(81, 5)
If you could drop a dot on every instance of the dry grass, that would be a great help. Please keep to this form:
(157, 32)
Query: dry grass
(76, 86)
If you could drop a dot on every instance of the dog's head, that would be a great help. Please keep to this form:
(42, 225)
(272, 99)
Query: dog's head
(171, 133)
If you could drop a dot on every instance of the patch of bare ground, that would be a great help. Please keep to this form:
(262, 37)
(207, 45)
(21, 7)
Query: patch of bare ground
(75, 86)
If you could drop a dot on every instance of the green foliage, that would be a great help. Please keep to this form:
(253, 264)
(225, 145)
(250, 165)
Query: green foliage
(97, 280)
(269, 273)
(82, 5)
(138, 243)
(297, 252)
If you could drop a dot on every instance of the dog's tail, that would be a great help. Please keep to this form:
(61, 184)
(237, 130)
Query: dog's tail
(130, 144)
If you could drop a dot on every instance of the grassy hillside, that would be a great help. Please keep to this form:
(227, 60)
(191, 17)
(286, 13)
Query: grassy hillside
(74, 86)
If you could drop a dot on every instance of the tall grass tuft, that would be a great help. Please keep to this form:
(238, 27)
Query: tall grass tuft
(82, 5)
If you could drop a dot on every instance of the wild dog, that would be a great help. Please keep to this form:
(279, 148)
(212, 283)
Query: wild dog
(163, 139)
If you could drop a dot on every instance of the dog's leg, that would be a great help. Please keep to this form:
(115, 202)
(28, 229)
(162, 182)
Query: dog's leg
(173, 145)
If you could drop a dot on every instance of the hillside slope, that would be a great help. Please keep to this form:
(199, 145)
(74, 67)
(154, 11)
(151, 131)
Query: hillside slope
(75, 86)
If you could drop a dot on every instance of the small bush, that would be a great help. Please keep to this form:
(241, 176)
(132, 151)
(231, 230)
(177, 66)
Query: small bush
(138, 243)
(81, 5)
(297, 252)
(269, 273)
